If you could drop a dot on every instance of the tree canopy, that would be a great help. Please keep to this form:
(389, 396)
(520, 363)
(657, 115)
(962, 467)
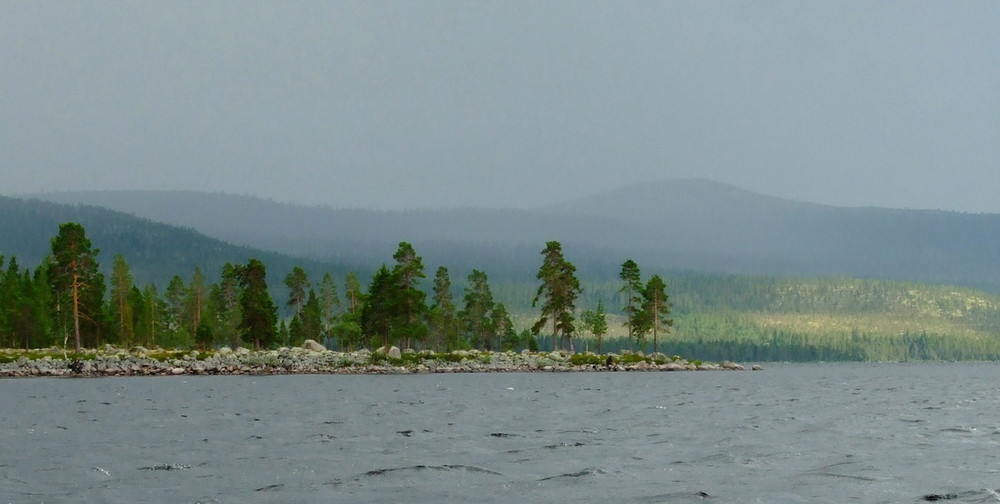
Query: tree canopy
(558, 292)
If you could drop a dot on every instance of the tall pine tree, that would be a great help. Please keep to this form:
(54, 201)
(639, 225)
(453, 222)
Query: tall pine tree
(76, 280)
(655, 309)
(408, 300)
(121, 302)
(631, 290)
(558, 291)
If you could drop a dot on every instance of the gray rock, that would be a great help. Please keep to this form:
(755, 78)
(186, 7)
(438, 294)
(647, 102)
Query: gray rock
(313, 346)
(394, 353)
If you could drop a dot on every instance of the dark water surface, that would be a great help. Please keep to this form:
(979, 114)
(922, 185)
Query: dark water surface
(792, 433)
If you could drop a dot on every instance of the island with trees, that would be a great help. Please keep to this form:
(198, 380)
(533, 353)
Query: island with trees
(61, 319)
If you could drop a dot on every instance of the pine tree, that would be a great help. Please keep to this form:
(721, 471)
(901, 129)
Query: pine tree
(196, 302)
(655, 309)
(559, 289)
(150, 315)
(76, 278)
(408, 300)
(121, 303)
(298, 283)
(348, 329)
(631, 290)
(353, 293)
(503, 328)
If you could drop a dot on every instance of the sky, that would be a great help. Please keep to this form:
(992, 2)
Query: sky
(414, 104)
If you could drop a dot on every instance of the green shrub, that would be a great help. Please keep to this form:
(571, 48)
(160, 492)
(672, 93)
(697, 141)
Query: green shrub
(587, 360)
(632, 359)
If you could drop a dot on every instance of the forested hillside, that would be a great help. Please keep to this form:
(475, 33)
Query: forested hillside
(769, 318)
(717, 316)
(155, 251)
(678, 224)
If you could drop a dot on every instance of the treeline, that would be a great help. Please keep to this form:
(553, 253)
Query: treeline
(68, 297)
(718, 316)
(862, 347)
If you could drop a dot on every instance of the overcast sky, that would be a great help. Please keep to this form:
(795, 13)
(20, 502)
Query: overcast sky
(410, 104)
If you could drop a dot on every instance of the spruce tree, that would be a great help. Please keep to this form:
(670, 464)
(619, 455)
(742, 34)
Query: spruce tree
(443, 327)
(9, 293)
(259, 315)
(476, 316)
(312, 319)
(377, 313)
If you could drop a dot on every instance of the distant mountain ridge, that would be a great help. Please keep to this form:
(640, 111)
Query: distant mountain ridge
(676, 224)
(154, 251)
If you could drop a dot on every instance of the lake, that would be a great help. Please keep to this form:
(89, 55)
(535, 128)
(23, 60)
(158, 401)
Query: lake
(793, 433)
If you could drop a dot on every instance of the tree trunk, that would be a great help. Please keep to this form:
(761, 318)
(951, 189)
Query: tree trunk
(76, 313)
(555, 338)
(656, 319)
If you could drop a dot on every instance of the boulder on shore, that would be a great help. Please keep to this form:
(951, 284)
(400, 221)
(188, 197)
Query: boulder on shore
(313, 345)
(392, 352)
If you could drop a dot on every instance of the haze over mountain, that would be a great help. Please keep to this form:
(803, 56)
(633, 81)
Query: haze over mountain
(155, 251)
(677, 224)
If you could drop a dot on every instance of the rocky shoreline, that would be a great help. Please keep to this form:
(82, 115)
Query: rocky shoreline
(313, 359)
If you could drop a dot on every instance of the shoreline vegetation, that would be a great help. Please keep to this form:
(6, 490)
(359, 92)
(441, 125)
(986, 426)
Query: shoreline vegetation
(313, 358)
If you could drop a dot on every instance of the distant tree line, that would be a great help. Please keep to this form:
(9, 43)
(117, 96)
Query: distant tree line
(67, 300)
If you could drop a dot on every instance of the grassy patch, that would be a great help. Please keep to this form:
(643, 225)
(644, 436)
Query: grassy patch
(632, 359)
(587, 360)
